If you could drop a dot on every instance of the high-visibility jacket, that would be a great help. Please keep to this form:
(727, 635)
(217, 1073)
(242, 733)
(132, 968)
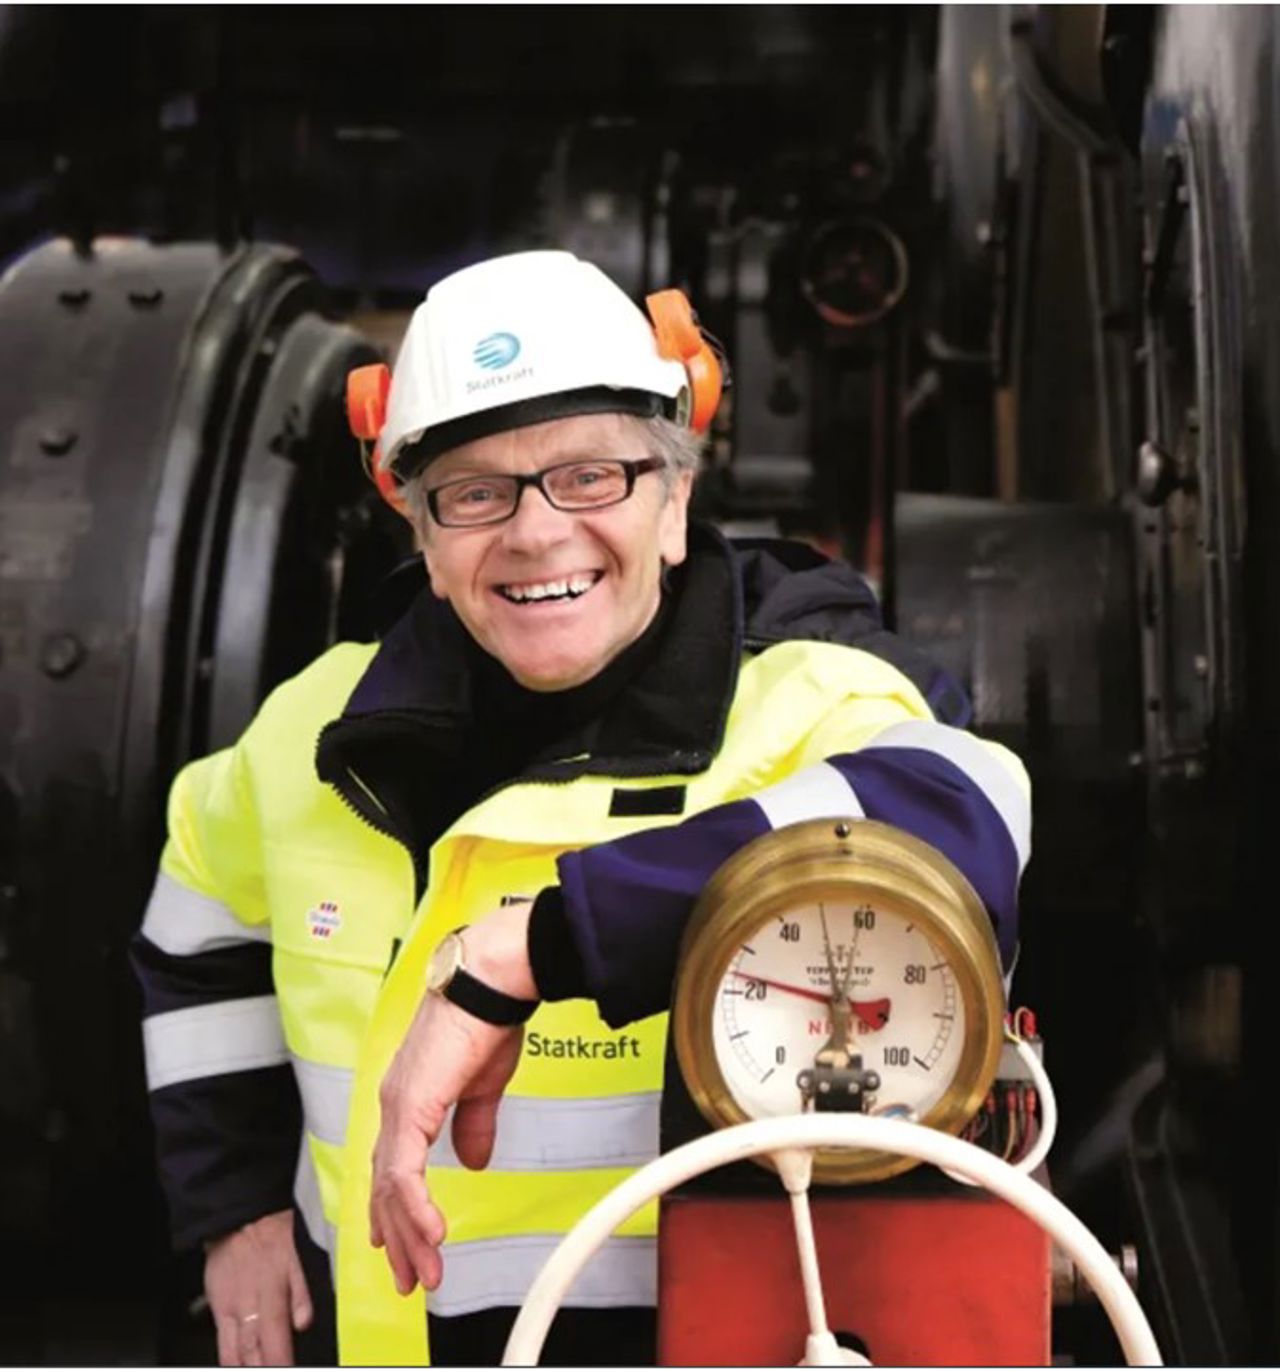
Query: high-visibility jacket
(261, 849)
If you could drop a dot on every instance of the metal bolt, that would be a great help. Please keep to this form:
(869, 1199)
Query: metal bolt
(75, 298)
(61, 654)
(1157, 474)
(824, 1086)
(57, 441)
(843, 829)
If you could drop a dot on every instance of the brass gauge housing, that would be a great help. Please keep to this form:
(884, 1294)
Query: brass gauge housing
(892, 919)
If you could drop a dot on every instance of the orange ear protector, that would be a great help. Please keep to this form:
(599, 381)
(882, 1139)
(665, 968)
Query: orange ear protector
(680, 339)
(367, 390)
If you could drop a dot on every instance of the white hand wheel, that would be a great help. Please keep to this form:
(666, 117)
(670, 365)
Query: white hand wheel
(807, 1132)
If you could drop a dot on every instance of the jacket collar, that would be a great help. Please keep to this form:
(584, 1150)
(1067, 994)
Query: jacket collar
(417, 691)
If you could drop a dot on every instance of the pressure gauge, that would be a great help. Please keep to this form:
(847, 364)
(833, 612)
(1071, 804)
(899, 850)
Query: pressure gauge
(838, 964)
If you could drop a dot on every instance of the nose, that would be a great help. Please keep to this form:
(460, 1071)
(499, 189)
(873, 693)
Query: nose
(536, 526)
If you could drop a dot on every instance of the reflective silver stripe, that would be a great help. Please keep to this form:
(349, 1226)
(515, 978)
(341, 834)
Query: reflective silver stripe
(182, 922)
(566, 1133)
(819, 791)
(215, 1038)
(500, 1272)
(978, 762)
(326, 1099)
(306, 1194)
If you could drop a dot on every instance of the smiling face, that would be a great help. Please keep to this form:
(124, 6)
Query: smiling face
(556, 596)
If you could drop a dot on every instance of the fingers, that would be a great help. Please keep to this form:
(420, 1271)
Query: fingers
(475, 1126)
(413, 1257)
(249, 1339)
(302, 1312)
(410, 1227)
(270, 1335)
(228, 1340)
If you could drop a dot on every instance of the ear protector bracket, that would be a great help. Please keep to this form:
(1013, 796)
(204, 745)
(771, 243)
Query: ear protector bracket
(367, 391)
(681, 339)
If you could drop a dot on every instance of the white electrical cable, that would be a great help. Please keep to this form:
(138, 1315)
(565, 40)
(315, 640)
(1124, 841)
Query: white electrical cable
(812, 1130)
(795, 1169)
(1034, 1158)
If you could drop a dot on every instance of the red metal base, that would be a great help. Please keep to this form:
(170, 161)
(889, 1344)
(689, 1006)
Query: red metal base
(920, 1279)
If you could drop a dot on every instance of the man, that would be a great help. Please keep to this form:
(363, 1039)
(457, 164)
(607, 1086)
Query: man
(581, 709)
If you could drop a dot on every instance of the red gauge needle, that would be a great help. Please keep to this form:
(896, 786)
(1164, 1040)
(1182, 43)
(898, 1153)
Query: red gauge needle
(815, 994)
(872, 1015)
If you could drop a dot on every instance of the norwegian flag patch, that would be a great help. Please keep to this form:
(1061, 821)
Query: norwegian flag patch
(323, 920)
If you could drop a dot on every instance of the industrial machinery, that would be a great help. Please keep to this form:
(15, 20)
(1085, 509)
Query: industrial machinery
(995, 284)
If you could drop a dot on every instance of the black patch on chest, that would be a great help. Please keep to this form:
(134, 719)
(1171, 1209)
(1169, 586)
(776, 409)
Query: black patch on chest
(666, 801)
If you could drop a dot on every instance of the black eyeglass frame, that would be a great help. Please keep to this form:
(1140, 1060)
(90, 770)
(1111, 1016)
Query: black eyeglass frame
(632, 470)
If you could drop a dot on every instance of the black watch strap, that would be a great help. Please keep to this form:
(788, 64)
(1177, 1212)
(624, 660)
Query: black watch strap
(489, 1005)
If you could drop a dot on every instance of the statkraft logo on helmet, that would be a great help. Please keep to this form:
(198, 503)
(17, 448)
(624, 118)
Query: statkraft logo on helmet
(489, 382)
(496, 351)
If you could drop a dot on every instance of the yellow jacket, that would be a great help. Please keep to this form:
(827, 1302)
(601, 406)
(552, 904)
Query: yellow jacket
(261, 849)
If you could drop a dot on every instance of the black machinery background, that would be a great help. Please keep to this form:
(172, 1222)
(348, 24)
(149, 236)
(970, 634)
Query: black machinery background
(998, 291)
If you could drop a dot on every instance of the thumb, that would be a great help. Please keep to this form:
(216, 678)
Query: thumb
(475, 1125)
(301, 1310)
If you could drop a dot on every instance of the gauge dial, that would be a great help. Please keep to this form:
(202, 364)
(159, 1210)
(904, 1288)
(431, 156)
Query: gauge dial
(851, 934)
(773, 1007)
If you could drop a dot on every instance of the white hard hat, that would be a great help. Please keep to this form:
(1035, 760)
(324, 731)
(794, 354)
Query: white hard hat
(519, 340)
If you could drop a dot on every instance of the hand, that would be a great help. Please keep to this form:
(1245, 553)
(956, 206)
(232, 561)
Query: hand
(257, 1292)
(447, 1058)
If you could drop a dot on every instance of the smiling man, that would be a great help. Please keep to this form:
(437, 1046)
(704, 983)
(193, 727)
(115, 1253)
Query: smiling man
(509, 805)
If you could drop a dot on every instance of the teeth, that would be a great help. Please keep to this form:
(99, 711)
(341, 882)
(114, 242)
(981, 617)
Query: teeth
(550, 589)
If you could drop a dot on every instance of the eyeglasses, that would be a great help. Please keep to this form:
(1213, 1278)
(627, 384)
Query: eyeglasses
(575, 487)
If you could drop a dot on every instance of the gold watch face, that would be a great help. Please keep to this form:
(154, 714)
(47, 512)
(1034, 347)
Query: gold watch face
(446, 961)
(839, 962)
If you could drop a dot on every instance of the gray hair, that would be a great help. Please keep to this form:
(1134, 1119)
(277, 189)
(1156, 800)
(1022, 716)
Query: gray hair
(678, 447)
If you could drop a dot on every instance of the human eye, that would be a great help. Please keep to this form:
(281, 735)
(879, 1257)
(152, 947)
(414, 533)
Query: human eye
(469, 500)
(473, 493)
(588, 480)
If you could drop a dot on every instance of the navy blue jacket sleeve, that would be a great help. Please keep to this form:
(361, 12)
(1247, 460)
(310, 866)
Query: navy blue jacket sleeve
(224, 1103)
(627, 901)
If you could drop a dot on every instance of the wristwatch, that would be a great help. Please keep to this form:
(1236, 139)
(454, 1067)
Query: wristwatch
(447, 975)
